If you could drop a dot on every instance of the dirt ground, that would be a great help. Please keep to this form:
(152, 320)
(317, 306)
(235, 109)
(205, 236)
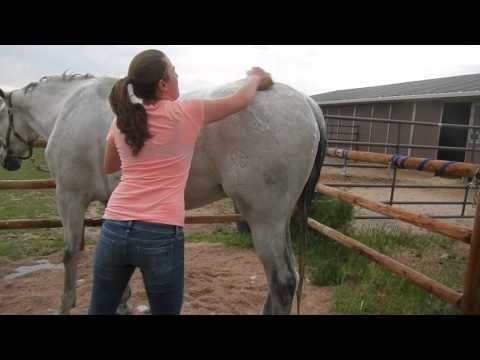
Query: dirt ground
(222, 280)
(218, 281)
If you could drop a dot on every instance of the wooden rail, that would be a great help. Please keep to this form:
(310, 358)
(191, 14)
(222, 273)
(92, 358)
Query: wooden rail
(56, 223)
(453, 169)
(423, 221)
(26, 184)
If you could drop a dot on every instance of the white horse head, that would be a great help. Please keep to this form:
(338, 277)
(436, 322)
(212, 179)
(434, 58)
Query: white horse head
(30, 112)
(16, 137)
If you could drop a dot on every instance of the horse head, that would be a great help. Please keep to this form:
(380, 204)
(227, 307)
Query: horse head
(16, 137)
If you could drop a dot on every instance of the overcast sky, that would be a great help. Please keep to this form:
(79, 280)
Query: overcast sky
(312, 69)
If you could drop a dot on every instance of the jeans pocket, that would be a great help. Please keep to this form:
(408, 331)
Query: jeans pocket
(110, 232)
(158, 261)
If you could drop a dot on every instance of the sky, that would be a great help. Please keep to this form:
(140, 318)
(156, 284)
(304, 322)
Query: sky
(312, 69)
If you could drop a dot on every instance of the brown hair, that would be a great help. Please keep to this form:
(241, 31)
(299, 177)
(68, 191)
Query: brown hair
(145, 71)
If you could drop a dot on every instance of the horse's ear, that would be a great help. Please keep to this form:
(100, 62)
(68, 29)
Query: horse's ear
(2, 94)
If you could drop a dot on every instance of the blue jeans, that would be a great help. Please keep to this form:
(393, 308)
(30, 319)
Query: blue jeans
(157, 249)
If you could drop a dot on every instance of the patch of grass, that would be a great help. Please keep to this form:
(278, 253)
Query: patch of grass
(381, 293)
(28, 171)
(332, 212)
(363, 287)
(26, 204)
(19, 244)
(223, 236)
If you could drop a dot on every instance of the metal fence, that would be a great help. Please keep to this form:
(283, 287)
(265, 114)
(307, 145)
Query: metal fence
(342, 131)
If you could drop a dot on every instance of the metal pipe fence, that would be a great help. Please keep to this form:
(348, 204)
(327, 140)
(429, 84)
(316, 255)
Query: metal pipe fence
(395, 148)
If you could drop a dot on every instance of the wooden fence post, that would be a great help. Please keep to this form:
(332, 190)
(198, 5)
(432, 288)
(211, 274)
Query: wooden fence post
(82, 243)
(471, 296)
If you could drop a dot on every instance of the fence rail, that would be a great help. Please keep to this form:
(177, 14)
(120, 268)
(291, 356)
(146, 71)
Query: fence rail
(420, 220)
(460, 169)
(17, 224)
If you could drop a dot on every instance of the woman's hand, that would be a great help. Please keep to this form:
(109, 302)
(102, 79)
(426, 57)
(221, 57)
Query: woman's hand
(265, 79)
(220, 108)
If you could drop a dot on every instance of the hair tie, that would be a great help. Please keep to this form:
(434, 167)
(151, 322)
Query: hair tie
(133, 98)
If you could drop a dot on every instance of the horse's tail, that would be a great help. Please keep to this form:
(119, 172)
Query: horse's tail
(305, 201)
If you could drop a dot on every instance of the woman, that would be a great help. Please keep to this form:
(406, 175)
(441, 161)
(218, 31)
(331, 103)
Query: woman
(152, 142)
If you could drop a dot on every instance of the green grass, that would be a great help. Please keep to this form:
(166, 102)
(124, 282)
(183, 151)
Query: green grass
(226, 237)
(19, 244)
(363, 287)
(25, 204)
(28, 171)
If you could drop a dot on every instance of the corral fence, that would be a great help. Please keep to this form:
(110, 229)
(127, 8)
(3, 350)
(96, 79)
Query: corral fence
(468, 301)
(343, 132)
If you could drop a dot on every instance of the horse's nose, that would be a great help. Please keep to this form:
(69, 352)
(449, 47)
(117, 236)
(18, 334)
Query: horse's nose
(12, 164)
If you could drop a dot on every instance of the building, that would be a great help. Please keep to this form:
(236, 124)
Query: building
(453, 100)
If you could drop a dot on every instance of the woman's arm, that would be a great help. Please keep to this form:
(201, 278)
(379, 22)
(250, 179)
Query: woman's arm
(218, 109)
(111, 159)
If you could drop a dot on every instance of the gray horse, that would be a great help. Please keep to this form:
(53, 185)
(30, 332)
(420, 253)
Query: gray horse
(266, 158)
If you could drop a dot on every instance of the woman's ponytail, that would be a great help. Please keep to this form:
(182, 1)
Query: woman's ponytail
(131, 115)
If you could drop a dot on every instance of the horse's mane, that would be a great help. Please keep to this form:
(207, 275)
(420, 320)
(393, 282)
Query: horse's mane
(64, 77)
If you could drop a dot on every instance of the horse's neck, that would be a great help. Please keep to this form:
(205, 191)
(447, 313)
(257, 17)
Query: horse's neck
(43, 105)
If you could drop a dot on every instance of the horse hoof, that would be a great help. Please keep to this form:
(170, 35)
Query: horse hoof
(124, 310)
(62, 312)
(144, 310)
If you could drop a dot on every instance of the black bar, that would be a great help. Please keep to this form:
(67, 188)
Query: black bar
(358, 166)
(428, 203)
(342, 126)
(394, 180)
(330, 133)
(360, 185)
(465, 198)
(431, 216)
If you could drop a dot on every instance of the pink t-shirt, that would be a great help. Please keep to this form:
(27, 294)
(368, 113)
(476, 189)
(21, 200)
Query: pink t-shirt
(152, 185)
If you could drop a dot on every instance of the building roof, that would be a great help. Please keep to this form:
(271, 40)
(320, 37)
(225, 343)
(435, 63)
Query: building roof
(448, 87)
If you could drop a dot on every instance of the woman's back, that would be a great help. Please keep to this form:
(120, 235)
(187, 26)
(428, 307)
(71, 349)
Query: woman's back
(153, 182)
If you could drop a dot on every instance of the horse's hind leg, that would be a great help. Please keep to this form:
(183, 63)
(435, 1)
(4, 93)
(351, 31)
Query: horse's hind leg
(275, 253)
(71, 208)
(124, 308)
(267, 307)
